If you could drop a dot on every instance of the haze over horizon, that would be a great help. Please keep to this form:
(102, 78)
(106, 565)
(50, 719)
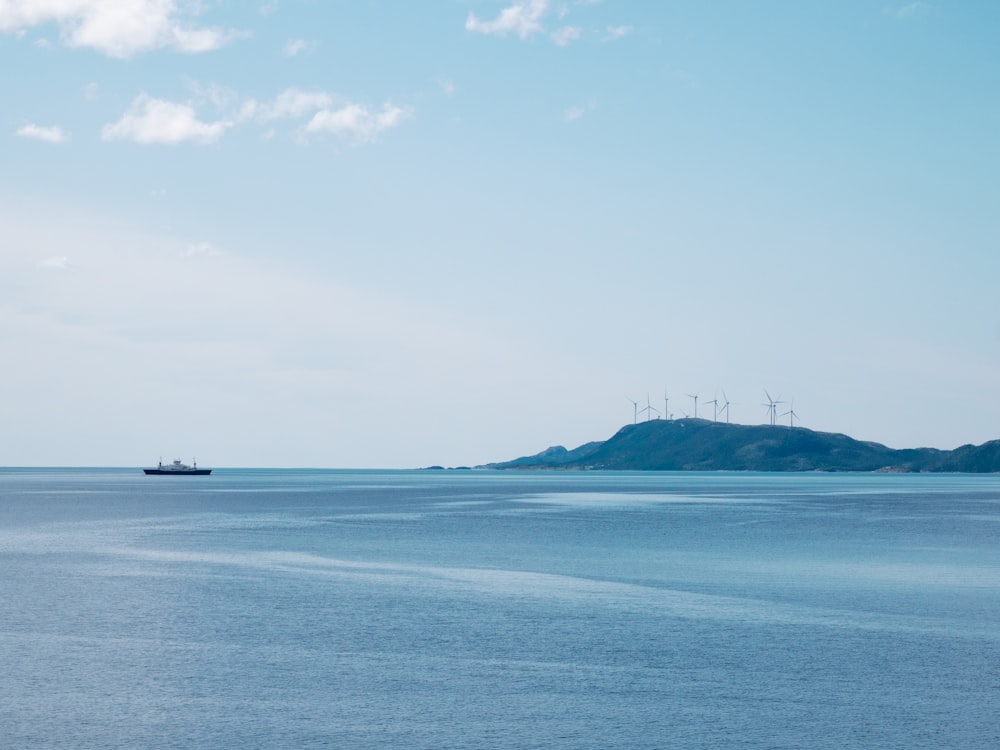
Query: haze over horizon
(286, 233)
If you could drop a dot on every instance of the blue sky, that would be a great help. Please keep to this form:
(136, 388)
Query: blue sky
(393, 234)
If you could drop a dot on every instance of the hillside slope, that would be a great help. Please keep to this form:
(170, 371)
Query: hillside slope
(704, 445)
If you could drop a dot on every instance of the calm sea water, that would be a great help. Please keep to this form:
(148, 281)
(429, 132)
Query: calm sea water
(305, 609)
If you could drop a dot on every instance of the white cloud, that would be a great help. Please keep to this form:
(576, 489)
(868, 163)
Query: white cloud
(565, 35)
(202, 249)
(617, 32)
(50, 134)
(911, 10)
(356, 122)
(447, 86)
(152, 120)
(219, 97)
(295, 46)
(289, 103)
(571, 114)
(521, 18)
(91, 91)
(117, 28)
(58, 263)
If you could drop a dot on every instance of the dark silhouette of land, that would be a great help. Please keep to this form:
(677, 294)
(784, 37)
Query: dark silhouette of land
(705, 445)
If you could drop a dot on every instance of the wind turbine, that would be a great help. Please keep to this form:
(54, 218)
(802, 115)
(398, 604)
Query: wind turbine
(772, 405)
(635, 410)
(725, 406)
(715, 408)
(792, 416)
(649, 408)
(695, 397)
(666, 402)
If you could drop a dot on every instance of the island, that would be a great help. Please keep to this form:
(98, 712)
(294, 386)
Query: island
(706, 445)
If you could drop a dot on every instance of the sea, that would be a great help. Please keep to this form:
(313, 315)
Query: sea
(479, 609)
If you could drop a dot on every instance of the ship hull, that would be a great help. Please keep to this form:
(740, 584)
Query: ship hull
(178, 472)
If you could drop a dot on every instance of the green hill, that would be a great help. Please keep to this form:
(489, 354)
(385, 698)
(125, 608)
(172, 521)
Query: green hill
(703, 445)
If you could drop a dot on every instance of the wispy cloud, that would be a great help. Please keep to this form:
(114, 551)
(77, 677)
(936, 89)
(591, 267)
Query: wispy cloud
(295, 46)
(220, 97)
(447, 86)
(202, 249)
(49, 134)
(327, 113)
(58, 263)
(150, 121)
(289, 103)
(356, 122)
(158, 121)
(910, 10)
(617, 32)
(522, 18)
(565, 35)
(117, 29)
(574, 113)
(276, 322)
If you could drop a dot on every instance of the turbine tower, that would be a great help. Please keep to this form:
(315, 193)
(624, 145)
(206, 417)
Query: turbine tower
(715, 409)
(725, 405)
(792, 416)
(635, 410)
(649, 408)
(695, 397)
(772, 406)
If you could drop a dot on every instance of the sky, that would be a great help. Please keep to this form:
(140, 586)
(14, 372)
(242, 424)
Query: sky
(389, 234)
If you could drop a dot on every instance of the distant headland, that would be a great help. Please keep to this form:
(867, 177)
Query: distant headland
(705, 445)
